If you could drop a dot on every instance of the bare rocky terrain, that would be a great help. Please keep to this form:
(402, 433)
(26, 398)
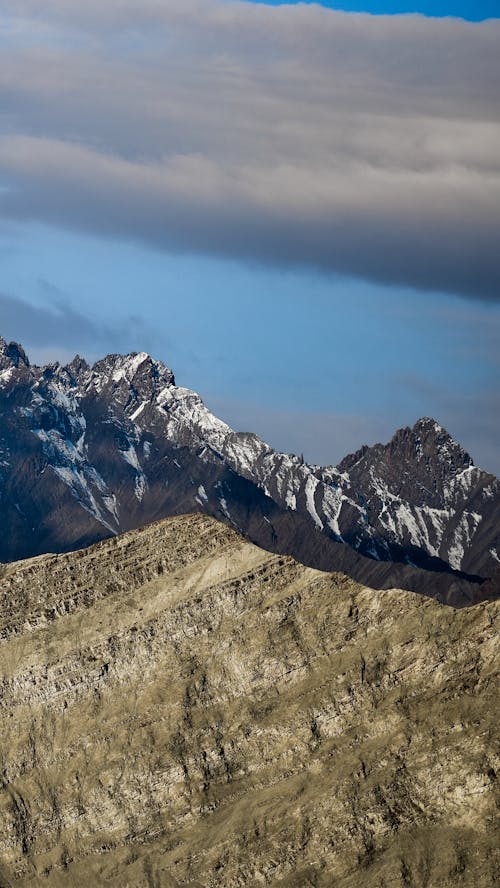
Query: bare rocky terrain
(181, 708)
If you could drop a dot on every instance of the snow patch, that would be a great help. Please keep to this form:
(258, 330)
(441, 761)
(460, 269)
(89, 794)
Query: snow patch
(128, 368)
(490, 491)
(130, 457)
(141, 486)
(138, 412)
(60, 399)
(461, 485)
(439, 520)
(333, 501)
(78, 485)
(140, 483)
(462, 536)
(186, 410)
(111, 504)
(5, 375)
(310, 489)
(54, 443)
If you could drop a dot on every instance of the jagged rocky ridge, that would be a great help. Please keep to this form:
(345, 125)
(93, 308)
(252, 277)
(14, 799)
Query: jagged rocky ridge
(179, 707)
(86, 452)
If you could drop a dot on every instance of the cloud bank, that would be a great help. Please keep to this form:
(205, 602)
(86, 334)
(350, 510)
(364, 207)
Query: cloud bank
(56, 330)
(356, 144)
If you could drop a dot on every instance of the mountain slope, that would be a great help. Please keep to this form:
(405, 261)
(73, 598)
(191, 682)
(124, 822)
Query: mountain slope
(86, 452)
(424, 490)
(178, 707)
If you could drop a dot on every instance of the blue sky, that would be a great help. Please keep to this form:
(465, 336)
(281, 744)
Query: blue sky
(297, 210)
(473, 10)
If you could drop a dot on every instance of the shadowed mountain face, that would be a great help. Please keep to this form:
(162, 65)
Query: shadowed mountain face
(179, 707)
(87, 452)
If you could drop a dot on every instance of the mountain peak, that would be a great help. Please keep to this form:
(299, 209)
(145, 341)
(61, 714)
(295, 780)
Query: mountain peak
(12, 355)
(116, 368)
(446, 447)
(427, 441)
(78, 369)
(428, 425)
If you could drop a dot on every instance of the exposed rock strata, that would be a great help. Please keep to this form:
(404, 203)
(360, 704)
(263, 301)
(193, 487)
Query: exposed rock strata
(178, 707)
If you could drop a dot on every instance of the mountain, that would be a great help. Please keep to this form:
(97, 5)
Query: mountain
(179, 707)
(86, 452)
(422, 491)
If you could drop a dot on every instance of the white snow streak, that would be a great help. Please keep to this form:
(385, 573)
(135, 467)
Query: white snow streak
(311, 485)
(462, 537)
(130, 456)
(138, 412)
(5, 375)
(128, 368)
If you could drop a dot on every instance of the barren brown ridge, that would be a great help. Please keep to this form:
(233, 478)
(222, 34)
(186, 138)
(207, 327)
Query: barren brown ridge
(179, 707)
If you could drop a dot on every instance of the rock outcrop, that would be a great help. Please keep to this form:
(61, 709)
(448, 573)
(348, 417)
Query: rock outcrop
(179, 707)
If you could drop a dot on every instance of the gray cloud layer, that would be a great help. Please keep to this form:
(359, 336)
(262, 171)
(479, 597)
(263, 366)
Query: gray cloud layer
(290, 135)
(56, 330)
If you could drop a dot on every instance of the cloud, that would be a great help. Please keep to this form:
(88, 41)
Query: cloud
(361, 145)
(55, 331)
(59, 325)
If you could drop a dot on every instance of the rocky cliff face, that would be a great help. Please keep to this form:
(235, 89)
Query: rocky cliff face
(87, 452)
(422, 491)
(179, 707)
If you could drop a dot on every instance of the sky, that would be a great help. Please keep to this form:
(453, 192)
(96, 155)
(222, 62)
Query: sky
(296, 208)
(472, 10)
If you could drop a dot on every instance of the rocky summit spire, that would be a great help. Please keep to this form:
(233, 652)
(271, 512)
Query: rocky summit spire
(78, 366)
(433, 441)
(12, 355)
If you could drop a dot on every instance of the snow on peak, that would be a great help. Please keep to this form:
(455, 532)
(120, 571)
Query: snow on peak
(427, 424)
(128, 366)
(6, 374)
(115, 369)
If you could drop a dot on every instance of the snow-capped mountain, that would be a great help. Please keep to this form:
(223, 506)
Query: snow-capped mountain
(87, 452)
